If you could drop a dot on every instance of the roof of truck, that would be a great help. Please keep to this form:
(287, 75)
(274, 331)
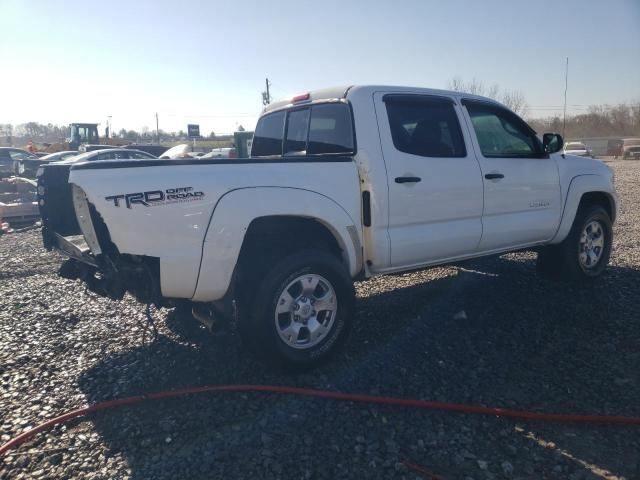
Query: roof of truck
(334, 93)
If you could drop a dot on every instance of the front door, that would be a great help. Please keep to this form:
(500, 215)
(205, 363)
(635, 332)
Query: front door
(434, 181)
(522, 200)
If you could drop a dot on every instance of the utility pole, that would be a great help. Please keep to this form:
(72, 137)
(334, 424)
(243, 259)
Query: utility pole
(157, 130)
(566, 83)
(266, 96)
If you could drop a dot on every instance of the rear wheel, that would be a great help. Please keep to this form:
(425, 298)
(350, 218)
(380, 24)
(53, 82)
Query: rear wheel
(299, 313)
(584, 254)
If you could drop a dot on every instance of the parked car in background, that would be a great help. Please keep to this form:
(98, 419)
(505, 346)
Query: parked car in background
(614, 148)
(151, 148)
(577, 148)
(12, 161)
(229, 152)
(179, 151)
(31, 165)
(56, 157)
(630, 148)
(108, 154)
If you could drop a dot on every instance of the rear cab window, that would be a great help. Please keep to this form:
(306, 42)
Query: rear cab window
(324, 128)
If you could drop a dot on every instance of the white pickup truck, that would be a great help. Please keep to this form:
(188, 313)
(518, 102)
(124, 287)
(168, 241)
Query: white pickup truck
(342, 184)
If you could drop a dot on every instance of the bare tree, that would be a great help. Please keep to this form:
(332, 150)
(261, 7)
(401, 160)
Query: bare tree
(513, 99)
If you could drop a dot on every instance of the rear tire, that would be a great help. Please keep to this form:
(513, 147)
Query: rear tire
(300, 311)
(585, 253)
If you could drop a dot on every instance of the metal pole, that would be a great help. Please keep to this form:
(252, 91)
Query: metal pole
(566, 83)
(266, 80)
(157, 130)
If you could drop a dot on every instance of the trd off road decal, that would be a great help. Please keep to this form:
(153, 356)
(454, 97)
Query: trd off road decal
(154, 198)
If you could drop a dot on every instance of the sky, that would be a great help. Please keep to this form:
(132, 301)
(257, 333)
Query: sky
(206, 61)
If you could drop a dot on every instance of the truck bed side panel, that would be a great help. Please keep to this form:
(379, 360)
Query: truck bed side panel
(163, 209)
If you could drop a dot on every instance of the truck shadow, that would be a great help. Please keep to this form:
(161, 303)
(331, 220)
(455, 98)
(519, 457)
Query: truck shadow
(490, 332)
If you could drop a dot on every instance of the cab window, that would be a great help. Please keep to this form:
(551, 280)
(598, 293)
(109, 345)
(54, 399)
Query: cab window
(424, 126)
(501, 133)
(325, 128)
(267, 140)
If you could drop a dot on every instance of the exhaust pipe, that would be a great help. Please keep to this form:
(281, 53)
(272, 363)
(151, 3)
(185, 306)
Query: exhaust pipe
(205, 314)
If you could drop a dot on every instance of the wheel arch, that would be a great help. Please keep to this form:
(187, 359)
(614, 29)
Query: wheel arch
(585, 190)
(283, 213)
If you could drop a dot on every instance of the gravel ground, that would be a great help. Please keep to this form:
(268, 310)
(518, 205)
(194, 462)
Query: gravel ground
(523, 343)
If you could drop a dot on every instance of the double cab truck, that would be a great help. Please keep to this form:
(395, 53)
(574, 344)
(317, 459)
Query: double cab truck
(342, 184)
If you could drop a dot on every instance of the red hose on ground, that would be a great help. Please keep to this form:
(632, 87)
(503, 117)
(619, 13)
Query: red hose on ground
(308, 392)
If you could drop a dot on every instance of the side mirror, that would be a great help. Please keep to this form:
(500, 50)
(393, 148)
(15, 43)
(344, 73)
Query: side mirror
(552, 142)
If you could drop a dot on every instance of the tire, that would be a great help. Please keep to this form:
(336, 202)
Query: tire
(267, 319)
(582, 255)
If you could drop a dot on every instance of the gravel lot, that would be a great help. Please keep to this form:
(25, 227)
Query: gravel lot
(524, 343)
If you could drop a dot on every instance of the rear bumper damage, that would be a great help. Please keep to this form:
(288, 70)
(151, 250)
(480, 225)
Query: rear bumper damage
(73, 227)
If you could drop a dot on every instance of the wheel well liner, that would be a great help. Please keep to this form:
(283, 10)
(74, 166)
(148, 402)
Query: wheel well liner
(599, 198)
(283, 234)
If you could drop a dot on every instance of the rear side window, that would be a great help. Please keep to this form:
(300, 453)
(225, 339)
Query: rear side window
(18, 155)
(318, 129)
(297, 131)
(141, 155)
(267, 140)
(331, 129)
(425, 126)
(105, 156)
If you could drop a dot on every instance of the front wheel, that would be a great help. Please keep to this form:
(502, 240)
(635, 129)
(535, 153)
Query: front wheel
(584, 254)
(301, 310)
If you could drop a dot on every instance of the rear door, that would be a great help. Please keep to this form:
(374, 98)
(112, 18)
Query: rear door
(434, 182)
(522, 202)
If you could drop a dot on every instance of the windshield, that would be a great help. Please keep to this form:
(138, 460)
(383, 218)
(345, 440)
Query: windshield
(575, 146)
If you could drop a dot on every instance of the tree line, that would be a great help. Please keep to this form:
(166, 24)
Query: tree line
(41, 133)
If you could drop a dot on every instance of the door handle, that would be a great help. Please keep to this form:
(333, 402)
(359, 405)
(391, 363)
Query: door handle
(408, 179)
(494, 176)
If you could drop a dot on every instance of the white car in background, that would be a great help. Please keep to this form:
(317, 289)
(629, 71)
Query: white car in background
(577, 148)
(179, 151)
(228, 152)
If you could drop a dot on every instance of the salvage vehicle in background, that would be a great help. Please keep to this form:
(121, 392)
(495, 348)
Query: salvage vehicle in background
(31, 165)
(614, 148)
(225, 152)
(108, 154)
(630, 148)
(577, 148)
(56, 157)
(342, 184)
(12, 161)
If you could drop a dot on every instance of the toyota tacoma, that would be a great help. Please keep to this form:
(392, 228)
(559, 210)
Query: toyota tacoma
(342, 184)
